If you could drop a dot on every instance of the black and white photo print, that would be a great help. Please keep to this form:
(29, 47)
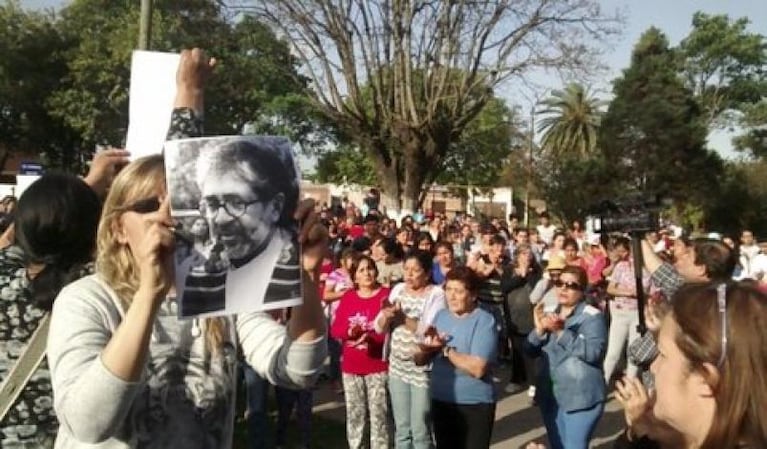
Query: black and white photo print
(233, 200)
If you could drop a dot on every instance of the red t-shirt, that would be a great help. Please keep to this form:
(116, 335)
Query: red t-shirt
(356, 231)
(594, 268)
(365, 358)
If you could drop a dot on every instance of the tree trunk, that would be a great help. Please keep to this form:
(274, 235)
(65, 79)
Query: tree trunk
(389, 179)
(4, 156)
(415, 171)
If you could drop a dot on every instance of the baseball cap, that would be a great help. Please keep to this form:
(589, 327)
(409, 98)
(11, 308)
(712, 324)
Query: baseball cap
(556, 263)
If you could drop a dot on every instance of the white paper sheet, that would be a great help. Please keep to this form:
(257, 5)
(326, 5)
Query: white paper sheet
(23, 182)
(152, 92)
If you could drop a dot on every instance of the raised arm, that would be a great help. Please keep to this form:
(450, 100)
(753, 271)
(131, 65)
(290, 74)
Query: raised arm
(195, 68)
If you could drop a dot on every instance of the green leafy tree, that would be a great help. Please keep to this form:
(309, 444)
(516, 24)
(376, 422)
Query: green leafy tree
(754, 122)
(345, 164)
(571, 121)
(653, 134)
(481, 154)
(32, 66)
(724, 65)
(256, 81)
(742, 200)
(573, 185)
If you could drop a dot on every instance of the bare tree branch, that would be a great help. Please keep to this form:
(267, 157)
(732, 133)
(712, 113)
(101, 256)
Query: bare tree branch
(405, 77)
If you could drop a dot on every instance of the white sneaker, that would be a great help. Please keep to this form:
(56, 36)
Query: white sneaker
(531, 392)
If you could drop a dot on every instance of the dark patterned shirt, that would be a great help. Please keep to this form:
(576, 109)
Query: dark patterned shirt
(31, 422)
(644, 349)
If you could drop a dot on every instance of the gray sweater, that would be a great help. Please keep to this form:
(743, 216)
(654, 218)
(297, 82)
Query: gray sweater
(185, 398)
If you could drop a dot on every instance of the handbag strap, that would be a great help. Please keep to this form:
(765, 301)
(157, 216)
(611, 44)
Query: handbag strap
(25, 366)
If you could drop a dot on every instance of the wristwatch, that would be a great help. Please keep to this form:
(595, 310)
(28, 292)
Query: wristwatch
(446, 350)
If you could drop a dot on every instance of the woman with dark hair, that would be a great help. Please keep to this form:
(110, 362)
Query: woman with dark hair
(572, 252)
(624, 318)
(462, 345)
(414, 304)
(55, 231)
(517, 284)
(710, 389)
(424, 242)
(571, 342)
(445, 261)
(390, 267)
(363, 365)
(557, 247)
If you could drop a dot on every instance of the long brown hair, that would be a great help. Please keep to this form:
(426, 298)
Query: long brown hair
(740, 391)
(114, 260)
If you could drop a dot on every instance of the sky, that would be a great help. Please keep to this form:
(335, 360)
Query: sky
(672, 16)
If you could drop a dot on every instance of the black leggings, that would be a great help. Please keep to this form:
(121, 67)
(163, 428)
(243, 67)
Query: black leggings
(462, 426)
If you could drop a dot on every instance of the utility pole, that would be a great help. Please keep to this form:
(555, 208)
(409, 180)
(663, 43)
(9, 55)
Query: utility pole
(531, 144)
(145, 26)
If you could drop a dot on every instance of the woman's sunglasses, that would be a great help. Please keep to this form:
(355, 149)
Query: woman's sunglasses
(568, 285)
(143, 206)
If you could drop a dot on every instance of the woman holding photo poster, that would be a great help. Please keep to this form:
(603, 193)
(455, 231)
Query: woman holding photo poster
(126, 372)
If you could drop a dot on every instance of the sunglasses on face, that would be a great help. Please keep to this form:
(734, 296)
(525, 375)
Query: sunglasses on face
(144, 206)
(568, 285)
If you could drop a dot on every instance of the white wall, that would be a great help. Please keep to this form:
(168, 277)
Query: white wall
(503, 195)
(7, 189)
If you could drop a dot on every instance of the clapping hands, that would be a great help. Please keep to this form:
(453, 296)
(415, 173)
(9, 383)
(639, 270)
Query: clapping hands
(637, 404)
(433, 340)
(546, 322)
(393, 314)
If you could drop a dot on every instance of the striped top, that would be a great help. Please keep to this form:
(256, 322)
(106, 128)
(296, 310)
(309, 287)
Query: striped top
(424, 308)
(490, 289)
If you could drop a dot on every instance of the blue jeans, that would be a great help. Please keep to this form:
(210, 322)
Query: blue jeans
(569, 430)
(411, 407)
(256, 389)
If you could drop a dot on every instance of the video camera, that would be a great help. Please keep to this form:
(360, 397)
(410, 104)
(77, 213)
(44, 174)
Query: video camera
(635, 215)
(630, 214)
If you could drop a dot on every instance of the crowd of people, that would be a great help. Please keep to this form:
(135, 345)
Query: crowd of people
(558, 305)
(409, 319)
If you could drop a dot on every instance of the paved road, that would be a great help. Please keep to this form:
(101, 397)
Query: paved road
(517, 422)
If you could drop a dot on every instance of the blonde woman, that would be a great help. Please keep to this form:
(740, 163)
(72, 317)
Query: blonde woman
(126, 373)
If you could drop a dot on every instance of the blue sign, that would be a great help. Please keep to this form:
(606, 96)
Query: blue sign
(31, 168)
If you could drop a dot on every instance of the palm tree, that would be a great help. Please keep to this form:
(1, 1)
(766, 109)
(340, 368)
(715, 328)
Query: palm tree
(571, 121)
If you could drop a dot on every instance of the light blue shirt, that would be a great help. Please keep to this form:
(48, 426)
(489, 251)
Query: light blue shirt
(476, 335)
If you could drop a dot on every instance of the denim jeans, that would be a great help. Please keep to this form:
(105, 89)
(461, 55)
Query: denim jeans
(411, 407)
(569, 430)
(256, 389)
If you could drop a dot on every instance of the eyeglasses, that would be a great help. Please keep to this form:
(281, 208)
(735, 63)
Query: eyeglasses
(143, 206)
(721, 299)
(568, 285)
(235, 207)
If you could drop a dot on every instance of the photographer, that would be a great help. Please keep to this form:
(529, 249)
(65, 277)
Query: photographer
(696, 262)
(703, 260)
